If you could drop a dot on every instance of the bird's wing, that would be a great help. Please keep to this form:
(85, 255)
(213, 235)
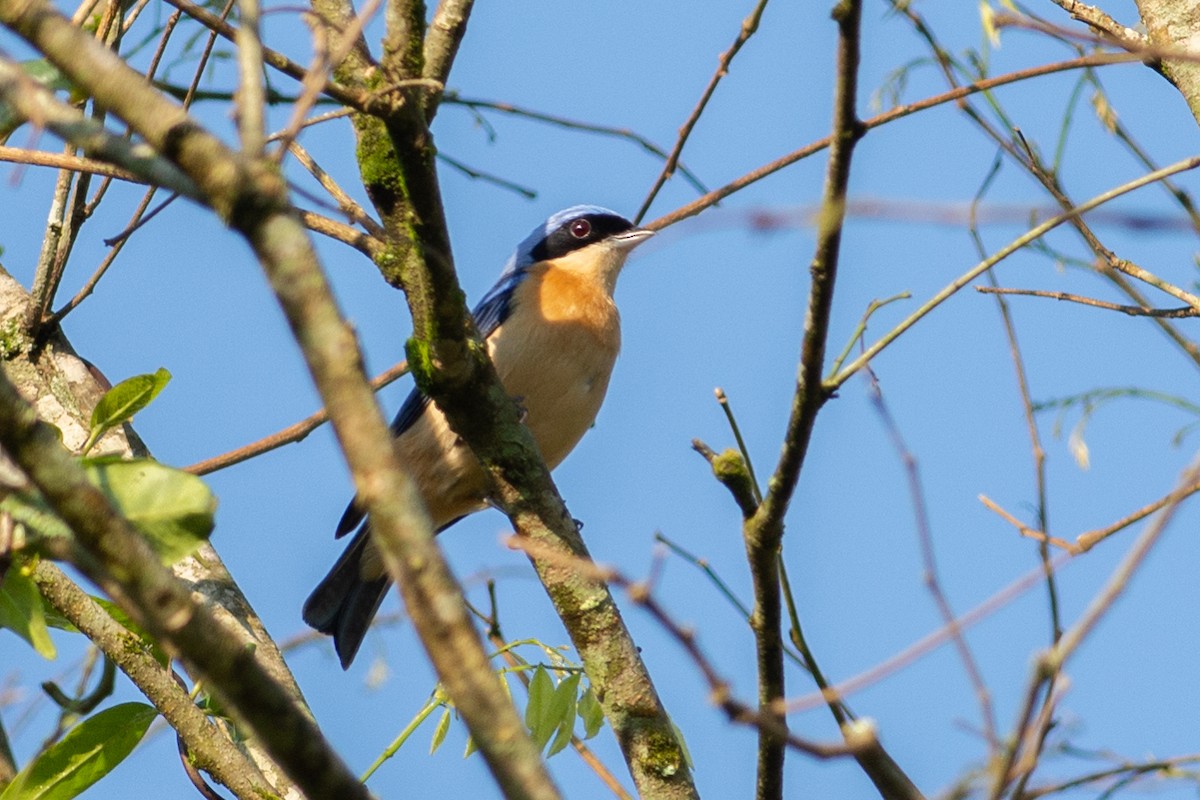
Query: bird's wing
(491, 312)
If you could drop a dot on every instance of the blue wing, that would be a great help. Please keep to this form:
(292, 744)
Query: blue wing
(491, 312)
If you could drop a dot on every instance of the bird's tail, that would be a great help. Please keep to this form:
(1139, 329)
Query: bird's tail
(343, 604)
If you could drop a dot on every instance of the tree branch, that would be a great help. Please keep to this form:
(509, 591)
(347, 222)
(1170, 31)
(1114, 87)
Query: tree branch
(127, 569)
(445, 34)
(67, 389)
(953, 95)
(209, 750)
(450, 364)
(747, 29)
(763, 532)
(1021, 241)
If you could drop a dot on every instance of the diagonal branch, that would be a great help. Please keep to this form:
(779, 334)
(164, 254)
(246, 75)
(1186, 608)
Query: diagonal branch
(1032, 235)
(251, 196)
(208, 751)
(445, 34)
(748, 28)
(123, 564)
(397, 160)
(953, 95)
(37, 104)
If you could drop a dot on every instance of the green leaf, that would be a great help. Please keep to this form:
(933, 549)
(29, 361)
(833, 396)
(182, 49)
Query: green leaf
(470, 748)
(562, 711)
(591, 713)
(172, 508)
(541, 695)
(122, 401)
(439, 733)
(22, 611)
(86, 754)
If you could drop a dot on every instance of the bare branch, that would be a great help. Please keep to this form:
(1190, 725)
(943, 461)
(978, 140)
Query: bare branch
(295, 432)
(445, 34)
(958, 93)
(1133, 311)
(929, 560)
(763, 532)
(37, 104)
(748, 28)
(351, 97)
(1004, 252)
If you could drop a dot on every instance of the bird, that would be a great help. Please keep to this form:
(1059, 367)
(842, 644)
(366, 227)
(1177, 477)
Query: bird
(552, 329)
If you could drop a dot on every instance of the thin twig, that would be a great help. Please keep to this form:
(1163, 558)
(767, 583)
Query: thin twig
(1089, 539)
(953, 95)
(42, 158)
(1029, 161)
(929, 561)
(860, 329)
(1025, 530)
(1051, 663)
(295, 432)
(345, 202)
(926, 644)
(720, 693)
(1021, 241)
(1167, 766)
(45, 281)
(723, 401)
(326, 54)
(572, 124)
(36, 103)
(747, 29)
(704, 566)
(478, 174)
(354, 98)
(90, 285)
(1133, 311)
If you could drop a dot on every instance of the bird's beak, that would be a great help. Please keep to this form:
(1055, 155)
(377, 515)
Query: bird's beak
(631, 238)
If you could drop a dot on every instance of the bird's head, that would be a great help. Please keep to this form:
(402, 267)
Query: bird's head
(588, 239)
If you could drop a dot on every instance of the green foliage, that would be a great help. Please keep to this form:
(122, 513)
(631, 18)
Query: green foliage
(557, 697)
(590, 713)
(86, 754)
(439, 733)
(121, 402)
(174, 510)
(23, 612)
(551, 709)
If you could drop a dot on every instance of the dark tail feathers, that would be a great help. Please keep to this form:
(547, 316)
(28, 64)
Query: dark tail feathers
(343, 604)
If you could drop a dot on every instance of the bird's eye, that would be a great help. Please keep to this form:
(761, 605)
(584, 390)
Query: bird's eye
(580, 228)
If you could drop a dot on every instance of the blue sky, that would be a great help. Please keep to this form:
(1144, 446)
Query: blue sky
(710, 302)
